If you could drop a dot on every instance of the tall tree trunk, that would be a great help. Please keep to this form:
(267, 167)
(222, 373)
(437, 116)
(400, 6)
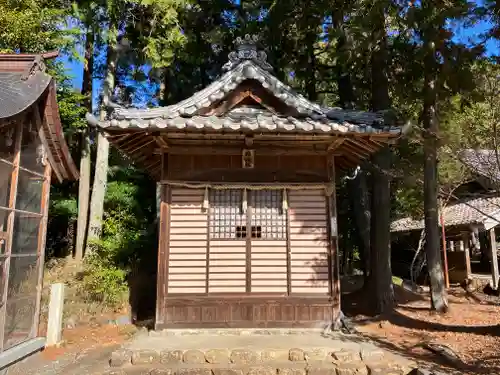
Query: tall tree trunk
(344, 83)
(381, 273)
(362, 214)
(359, 185)
(85, 158)
(102, 159)
(439, 300)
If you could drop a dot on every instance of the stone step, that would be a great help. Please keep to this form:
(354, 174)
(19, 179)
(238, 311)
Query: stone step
(276, 368)
(255, 353)
(243, 356)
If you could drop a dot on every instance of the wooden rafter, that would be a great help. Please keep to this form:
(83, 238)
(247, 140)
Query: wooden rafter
(161, 142)
(336, 144)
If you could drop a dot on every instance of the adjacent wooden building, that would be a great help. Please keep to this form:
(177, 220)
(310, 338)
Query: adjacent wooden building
(32, 152)
(248, 232)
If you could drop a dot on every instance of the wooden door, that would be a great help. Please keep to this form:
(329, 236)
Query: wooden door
(268, 242)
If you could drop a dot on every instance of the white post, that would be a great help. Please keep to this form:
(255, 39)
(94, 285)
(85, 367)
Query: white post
(54, 327)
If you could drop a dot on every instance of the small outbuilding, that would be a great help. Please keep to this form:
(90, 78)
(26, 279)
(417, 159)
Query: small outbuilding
(247, 166)
(471, 220)
(33, 151)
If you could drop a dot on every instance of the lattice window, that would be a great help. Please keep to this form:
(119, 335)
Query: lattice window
(268, 216)
(227, 220)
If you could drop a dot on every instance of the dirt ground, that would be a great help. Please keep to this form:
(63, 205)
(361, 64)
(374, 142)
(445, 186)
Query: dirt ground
(471, 329)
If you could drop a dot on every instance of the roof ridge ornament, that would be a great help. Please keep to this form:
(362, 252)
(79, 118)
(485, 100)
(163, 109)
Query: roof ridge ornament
(38, 65)
(246, 49)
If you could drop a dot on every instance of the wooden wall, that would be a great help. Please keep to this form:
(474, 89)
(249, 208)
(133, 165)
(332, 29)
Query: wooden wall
(204, 282)
(187, 268)
(309, 247)
(178, 167)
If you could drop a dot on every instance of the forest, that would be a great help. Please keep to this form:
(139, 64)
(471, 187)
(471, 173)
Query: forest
(431, 64)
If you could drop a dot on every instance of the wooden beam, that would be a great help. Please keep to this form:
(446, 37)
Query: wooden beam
(147, 143)
(161, 142)
(42, 235)
(134, 146)
(336, 144)
(266, 151)
(494, 258)
(45, 143)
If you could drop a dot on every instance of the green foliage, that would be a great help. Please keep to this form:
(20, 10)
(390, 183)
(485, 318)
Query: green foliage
(103, 282)
(35, 26)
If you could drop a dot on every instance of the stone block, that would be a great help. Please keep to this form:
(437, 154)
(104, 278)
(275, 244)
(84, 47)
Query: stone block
(217, 356)
(171, 357)
(115, 372)
(352, 368)
(194, 356)
(270, 355)
(120, 358)
(145, 357)
(382, 369)
(162, 371)
(296, 355)
(322, 370)
(291, 371)
(368, 354)
(345, 355)
(193, 371)
(243, 356)
(318, 354)
(420, 371)
(138, 371)
(227, 371)
(262, 370)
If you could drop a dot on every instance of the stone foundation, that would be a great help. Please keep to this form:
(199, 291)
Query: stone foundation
(269, 352)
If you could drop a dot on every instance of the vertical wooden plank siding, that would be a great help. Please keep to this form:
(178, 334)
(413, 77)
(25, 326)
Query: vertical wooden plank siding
(309, 242)
(10, 228)
(187, 263)
(42, 236)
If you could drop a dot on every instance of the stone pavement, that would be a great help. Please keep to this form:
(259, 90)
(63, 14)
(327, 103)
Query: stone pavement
(257, 352)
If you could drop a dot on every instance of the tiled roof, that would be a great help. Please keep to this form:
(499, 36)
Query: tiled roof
(249, 121)
(482, 162)
(474, 211)
(248, 64)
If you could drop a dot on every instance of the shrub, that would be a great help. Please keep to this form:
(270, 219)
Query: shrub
(103, 282)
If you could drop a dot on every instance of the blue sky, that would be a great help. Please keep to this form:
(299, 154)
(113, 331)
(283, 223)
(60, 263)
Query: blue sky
(462, 34)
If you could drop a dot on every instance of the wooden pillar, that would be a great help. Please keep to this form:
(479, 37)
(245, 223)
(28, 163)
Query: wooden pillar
(494, 258)
(42, 237)
(334, 272)
(163, 249)
(466, 243)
